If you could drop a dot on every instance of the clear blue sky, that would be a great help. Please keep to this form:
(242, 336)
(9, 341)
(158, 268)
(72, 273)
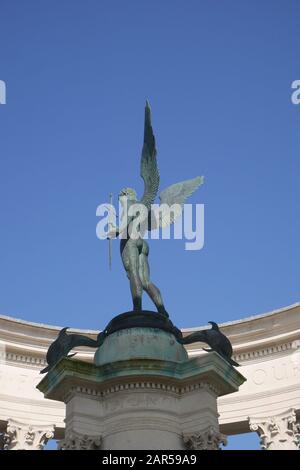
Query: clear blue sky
(218, 76)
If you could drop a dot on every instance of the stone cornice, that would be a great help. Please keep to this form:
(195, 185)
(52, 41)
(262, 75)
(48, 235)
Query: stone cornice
(59, 379)
(24, 359)
(153, 385)
(259, 354)
(254, 338)
(254, 397)
(262, 353)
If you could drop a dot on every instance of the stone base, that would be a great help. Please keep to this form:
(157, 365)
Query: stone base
(140, 343)
(155, 398)
(143, 392)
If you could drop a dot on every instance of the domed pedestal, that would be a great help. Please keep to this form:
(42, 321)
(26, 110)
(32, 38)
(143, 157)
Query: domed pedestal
(142, 392)
(140, 343)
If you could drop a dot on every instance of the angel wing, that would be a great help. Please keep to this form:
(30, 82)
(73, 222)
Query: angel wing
(149, 169)
(174, 198)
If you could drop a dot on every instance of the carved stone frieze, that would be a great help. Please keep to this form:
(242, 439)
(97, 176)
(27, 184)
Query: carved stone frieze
(77, 441)
(210, 439)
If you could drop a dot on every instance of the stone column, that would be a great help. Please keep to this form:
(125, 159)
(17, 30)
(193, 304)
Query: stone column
(21, 436)
(280, 432)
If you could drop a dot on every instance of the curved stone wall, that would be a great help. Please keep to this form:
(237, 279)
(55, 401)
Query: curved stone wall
(267, 347)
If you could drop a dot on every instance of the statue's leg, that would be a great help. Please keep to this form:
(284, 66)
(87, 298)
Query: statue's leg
(130, 258)
(148, 286)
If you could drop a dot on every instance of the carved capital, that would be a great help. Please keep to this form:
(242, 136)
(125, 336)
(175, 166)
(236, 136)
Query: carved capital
(77, 441)
(280, 432)
(210, 439)
(21, 436)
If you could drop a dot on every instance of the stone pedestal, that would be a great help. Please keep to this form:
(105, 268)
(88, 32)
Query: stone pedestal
(142, 393)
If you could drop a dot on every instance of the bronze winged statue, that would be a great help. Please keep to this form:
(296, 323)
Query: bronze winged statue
(135, 251)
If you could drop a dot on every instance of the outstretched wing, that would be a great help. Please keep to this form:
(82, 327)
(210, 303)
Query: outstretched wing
(174, 198)
(149, 169)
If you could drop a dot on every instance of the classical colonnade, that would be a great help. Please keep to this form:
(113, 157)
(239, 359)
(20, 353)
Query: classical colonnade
(266, 346)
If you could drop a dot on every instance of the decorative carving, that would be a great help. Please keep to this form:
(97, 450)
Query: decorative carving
(3, 441)
(146, 385)
(210, 439)
(7, 356)
(279, 432)
(77, 441)
(21, 436)
(263, 352)
(39, 361)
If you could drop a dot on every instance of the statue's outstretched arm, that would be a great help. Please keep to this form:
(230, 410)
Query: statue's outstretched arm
(115, 231)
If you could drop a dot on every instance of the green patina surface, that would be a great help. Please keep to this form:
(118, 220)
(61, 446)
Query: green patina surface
(140, 354)
(210, 368)
(140, 343)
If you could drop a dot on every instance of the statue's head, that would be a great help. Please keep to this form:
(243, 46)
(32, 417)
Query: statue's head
(128, 194)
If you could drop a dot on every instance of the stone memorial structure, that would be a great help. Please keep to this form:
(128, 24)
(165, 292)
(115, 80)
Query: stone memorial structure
(149, 385)
(266, 346)
(142, 392)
